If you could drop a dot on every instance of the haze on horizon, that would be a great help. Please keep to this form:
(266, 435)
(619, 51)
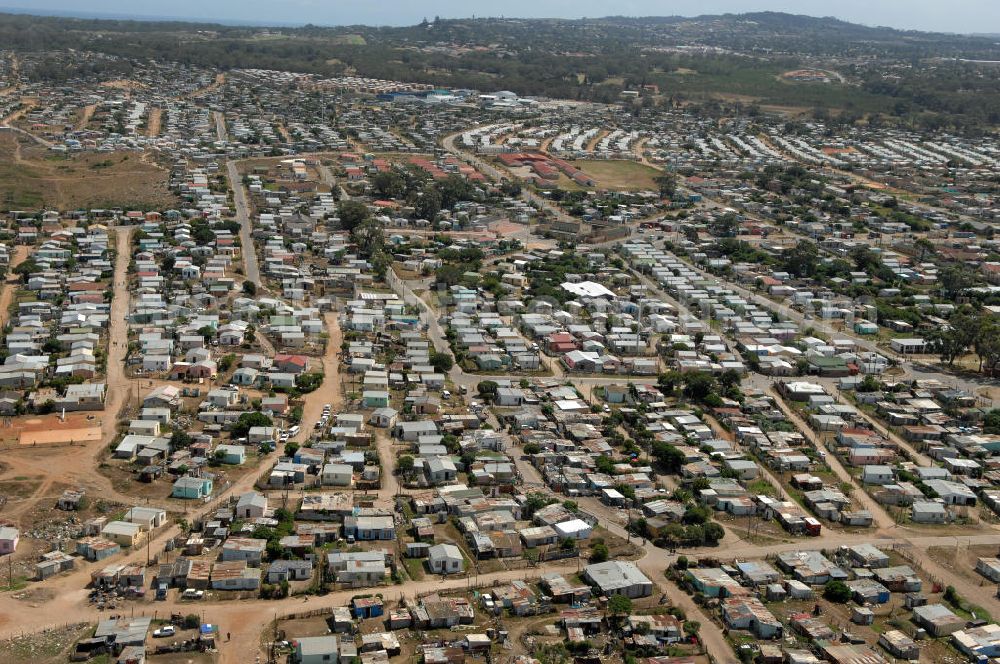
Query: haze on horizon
(964, 16)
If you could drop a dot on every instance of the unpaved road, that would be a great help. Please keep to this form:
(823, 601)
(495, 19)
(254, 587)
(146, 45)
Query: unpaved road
(74, 466)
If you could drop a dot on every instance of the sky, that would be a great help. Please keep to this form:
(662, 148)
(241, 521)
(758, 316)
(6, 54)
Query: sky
(967, 16)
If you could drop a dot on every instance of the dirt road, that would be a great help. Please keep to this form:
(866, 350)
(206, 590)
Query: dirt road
(330, 391)
(86, 113)
(74, 466)
(155, 120)
(10, 287)
(881, 518)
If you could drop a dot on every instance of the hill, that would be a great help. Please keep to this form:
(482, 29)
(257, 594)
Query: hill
(919, 76)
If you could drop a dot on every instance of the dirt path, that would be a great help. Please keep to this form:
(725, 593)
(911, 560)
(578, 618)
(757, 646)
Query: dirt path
(85, 115)
(9, 288)
(155, 119)
(214, 85)
(917, 457)
(881, 518)
(28, 105)
(387, 458)
(330, 391)
(74, 465)
(592, 143)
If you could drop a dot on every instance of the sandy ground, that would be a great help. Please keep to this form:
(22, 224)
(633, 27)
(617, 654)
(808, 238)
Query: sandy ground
(74, 465)
(155, 119)
(45, 429)
(85, 115)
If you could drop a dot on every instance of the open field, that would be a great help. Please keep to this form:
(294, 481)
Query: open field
(49, 646)
(76, 427)
(32, 178)
(612, 174)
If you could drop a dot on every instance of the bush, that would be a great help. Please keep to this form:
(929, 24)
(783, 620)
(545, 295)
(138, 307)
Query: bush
(192, 621)
(307, 382)
(837, 592)
(619, 605)
(599, 553)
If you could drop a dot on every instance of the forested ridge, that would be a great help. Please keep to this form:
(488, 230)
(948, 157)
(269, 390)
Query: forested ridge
(924, 77)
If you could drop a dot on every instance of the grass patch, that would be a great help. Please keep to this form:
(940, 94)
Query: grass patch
(414, 568)
(619, 174)
(17, 583)
(763, 487)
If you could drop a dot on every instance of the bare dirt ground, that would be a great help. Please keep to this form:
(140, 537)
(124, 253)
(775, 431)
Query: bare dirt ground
(52, 428)
(330, 391)
(86, 113)
(961, 559)
(155, 119)
(50, 646)
(72, 465)
(123, 84)
(28, 104)
(10, 286)
(33, 178)
(219, 80)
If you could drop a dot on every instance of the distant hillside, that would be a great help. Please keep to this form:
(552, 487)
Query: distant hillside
(914, 75)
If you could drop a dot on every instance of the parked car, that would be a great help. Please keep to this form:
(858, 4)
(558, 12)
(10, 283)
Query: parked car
(166, 630)
(191, 593)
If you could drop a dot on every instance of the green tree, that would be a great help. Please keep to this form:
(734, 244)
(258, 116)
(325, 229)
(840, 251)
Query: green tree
(669, 382)
(802, 259)
(369, 236)
(698, 385)
(535, 502)
(666, 184)
(427, 203)
(599, 553)
(668, 456)
(248, 420)
(455, 189)
(487, 390)
(605, 465)
(227, 361)
(991, 422)
(404, 465)
(442, 362)
(924, 245)
(389, 184)
(955, 278)
(837, 592)
(953, 341)
(180, 439)
(352, 213)
(25, 268)
(987, 344)
(713, 532)
(619, 605)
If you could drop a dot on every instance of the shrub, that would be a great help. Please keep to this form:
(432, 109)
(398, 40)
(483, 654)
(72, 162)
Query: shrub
(837, 592)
